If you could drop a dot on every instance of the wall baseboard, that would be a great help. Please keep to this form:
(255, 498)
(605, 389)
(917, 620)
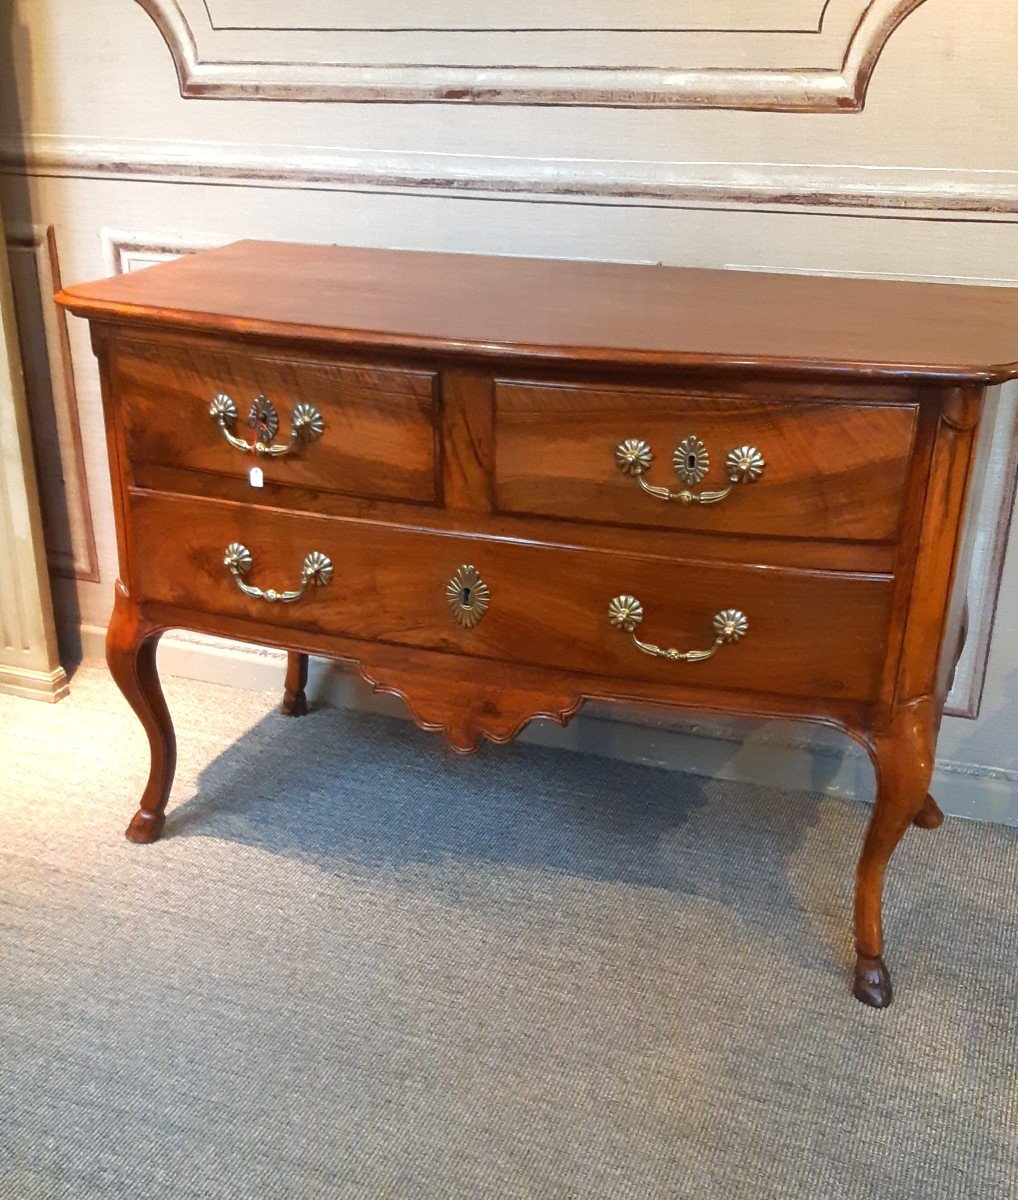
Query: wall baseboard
(49, 686)
(771, 754)
(212, 660)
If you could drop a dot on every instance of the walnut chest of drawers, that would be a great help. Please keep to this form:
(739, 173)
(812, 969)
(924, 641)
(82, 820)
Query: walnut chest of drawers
(504, 486)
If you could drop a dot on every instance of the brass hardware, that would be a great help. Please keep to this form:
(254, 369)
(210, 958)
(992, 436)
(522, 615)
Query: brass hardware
(744, 464)
(263, 419)
(633, 456)
(468, 596)
(316, 569)
(691, 462)
(729, 626)
(306, 425)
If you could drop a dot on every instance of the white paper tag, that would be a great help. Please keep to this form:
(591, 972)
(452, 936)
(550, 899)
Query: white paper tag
(256, 477)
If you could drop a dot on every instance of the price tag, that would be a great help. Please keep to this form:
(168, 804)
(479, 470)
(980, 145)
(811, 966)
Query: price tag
(256, 477)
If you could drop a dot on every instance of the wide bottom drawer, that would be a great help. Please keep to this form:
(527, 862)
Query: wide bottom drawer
(807, 633)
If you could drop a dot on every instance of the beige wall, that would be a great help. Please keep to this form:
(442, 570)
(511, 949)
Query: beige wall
(107, 166)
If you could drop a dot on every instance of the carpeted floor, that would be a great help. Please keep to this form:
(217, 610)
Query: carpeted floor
(357, 966)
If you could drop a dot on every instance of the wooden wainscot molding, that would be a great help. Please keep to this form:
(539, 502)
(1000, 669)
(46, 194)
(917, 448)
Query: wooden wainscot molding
(788, 56)
(134, 250)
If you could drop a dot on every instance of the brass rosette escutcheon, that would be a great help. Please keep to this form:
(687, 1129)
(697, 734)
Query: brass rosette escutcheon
(691, 461)
(263, 419)
(467, 595)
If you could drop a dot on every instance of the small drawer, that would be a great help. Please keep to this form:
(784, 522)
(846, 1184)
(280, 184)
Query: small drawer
(361, 430)
(809, 633)
(813, 469)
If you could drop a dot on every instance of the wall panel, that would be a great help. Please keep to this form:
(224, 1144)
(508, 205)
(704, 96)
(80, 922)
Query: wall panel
(768, 55)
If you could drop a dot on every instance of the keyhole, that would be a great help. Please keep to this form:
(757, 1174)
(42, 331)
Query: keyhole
(465, 597)
(691, 462)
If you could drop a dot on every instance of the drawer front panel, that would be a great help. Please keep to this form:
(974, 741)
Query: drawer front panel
(810, 633)
(378, 424)
(830, 470)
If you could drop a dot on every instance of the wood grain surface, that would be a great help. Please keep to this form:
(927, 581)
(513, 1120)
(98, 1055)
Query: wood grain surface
(579, 312)
(833, 470)
(811, 633)
(379, 435)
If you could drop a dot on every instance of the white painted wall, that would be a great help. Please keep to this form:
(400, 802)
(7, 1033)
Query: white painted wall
(105, 164)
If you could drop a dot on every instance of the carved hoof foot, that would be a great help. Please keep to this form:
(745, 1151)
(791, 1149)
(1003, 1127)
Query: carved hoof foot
(929, 816)
(872, 981)
(295, 704)
(145, 827)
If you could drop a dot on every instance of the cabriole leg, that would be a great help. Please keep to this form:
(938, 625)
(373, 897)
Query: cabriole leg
(929, 816)
(903, 759)
(131, 654)
(295, 701)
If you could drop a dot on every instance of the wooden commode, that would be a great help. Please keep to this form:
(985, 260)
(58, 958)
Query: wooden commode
(504, 486)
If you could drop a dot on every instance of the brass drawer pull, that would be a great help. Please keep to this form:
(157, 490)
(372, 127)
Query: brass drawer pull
(691, 462)
(317, 570)
(729, 625)
(306, 425)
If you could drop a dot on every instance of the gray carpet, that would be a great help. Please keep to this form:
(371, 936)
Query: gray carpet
(359, 967)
